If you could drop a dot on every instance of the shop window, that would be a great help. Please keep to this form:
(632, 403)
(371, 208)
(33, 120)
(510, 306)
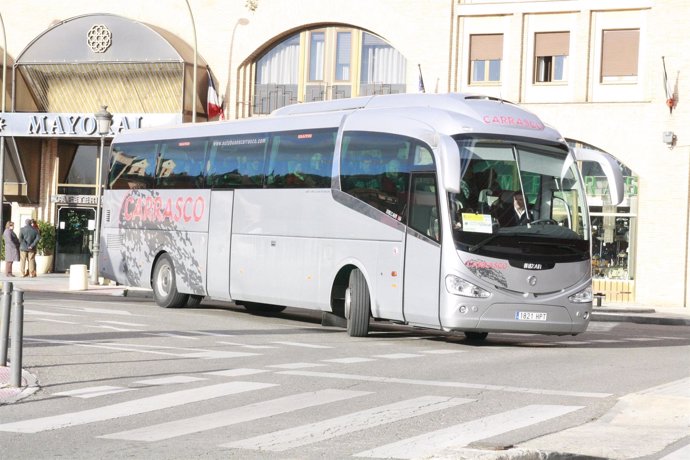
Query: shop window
(551, 51)
(486, 54)
(619, 55)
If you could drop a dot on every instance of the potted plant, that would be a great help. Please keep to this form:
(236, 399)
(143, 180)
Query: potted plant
(45, 248)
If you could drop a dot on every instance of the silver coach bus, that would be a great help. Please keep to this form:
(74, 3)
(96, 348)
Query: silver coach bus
(398, 208)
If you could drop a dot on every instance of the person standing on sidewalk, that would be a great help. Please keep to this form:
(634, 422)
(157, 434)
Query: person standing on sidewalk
(11, 247)
(28, 239)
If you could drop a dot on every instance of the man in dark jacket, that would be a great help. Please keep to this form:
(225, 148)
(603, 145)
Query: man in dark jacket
(28, 239)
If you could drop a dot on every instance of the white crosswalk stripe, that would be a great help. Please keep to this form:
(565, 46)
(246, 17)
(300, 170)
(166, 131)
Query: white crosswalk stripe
(461, 435)
(133, 407)
(236, 415)
(327, 429)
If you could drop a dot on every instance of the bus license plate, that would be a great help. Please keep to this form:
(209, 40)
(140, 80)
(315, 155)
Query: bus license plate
(530, 316)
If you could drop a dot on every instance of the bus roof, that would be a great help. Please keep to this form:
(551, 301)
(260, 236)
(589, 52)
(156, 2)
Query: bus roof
(453, 113)
(482, 114)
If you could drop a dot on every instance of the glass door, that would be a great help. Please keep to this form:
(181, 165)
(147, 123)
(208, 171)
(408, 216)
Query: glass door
(74, 236)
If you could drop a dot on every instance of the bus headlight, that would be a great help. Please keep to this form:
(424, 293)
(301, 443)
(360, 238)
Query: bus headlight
(459, 286)
(583, 296)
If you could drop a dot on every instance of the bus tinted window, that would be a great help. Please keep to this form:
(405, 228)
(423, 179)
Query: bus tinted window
(301, 159)
(132, 165)
(181, 164)
(237, 161)
(376, 169)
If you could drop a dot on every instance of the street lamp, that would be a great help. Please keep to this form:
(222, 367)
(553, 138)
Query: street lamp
(103, 119)
(2, 136)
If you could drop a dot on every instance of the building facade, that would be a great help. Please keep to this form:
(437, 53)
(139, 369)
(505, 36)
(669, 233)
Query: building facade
(606, 73)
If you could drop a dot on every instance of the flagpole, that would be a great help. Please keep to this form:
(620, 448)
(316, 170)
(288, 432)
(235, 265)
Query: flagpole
(194, 88)
(421, 80)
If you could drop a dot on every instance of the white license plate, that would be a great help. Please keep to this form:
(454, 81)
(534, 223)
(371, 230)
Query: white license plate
(530, 316)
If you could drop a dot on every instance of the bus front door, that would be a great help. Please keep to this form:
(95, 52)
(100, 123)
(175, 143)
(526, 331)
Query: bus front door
(422, 254)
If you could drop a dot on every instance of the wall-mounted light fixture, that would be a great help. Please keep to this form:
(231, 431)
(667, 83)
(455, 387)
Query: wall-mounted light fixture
(670, 138)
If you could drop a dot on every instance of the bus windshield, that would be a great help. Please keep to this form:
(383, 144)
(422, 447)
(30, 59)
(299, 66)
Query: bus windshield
(519, 200)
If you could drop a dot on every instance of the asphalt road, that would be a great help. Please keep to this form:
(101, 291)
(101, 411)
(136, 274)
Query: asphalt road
(123, 378)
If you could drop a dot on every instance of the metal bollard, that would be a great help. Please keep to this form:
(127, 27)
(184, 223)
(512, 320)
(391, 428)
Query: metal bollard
(5, 321)
(17, 336)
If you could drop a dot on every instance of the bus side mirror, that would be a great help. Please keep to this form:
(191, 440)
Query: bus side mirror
(449, 159)
(610, 167)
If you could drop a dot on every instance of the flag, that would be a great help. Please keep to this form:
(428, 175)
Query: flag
(213, 105)
(421, 80)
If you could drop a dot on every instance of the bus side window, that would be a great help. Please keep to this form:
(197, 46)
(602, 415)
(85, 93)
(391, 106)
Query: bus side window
(181, 164)
(301, 159)
(132, 165)
(424, 206)
(236, 161)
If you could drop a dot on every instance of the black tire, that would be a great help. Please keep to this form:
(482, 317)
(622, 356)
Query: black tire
(165, 291)
(194, 300)
(476, 337)
(262, 308)
(357, 305)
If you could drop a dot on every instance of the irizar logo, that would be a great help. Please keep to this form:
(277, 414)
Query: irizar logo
(531, 266)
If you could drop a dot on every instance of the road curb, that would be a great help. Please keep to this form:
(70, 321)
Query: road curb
(9, 395)
(640, 319)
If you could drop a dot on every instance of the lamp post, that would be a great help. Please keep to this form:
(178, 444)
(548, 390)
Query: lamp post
(103, 119)
(2, 136)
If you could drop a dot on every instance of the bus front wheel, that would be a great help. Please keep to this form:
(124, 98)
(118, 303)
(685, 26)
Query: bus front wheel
(476, 337)
(357, 305)
(165, 290)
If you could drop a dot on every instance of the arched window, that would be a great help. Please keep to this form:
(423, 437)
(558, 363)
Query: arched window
(326, 63)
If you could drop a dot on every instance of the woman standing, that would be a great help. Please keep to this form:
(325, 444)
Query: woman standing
(11, 247)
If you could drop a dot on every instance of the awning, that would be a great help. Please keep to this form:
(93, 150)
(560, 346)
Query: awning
(85, 62)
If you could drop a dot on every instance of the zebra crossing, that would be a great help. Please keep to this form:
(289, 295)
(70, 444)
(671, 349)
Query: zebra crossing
(291, 438)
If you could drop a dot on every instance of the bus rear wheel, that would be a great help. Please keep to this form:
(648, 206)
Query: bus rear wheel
(357, 305)
(165, 291)
(194, 300)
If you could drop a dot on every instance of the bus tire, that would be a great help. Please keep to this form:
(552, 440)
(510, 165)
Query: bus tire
(476, 337)
(194, 300)
(165, 291)
(357, 305)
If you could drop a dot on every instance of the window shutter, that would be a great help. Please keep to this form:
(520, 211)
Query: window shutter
(619, 53)
(486, 47)
(552, 44)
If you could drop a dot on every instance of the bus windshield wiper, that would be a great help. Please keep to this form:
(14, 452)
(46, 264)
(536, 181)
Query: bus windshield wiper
(484, 242)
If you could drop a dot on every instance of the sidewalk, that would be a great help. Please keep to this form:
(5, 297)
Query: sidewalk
(60, 282)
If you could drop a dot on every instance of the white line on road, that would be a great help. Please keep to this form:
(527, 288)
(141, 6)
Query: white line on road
(235, 415)
(170, 380)
(296, 365)
(348, 360)
(93, 392)
(29, 311)
(137, 348)
(48, 320)
(171, 335)
(112, 328)
(447, 384)
(136, 406)
(398, 356)
(315, 432)
(122, 323)
(300, 344)
(458, 436)
(239, 372)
